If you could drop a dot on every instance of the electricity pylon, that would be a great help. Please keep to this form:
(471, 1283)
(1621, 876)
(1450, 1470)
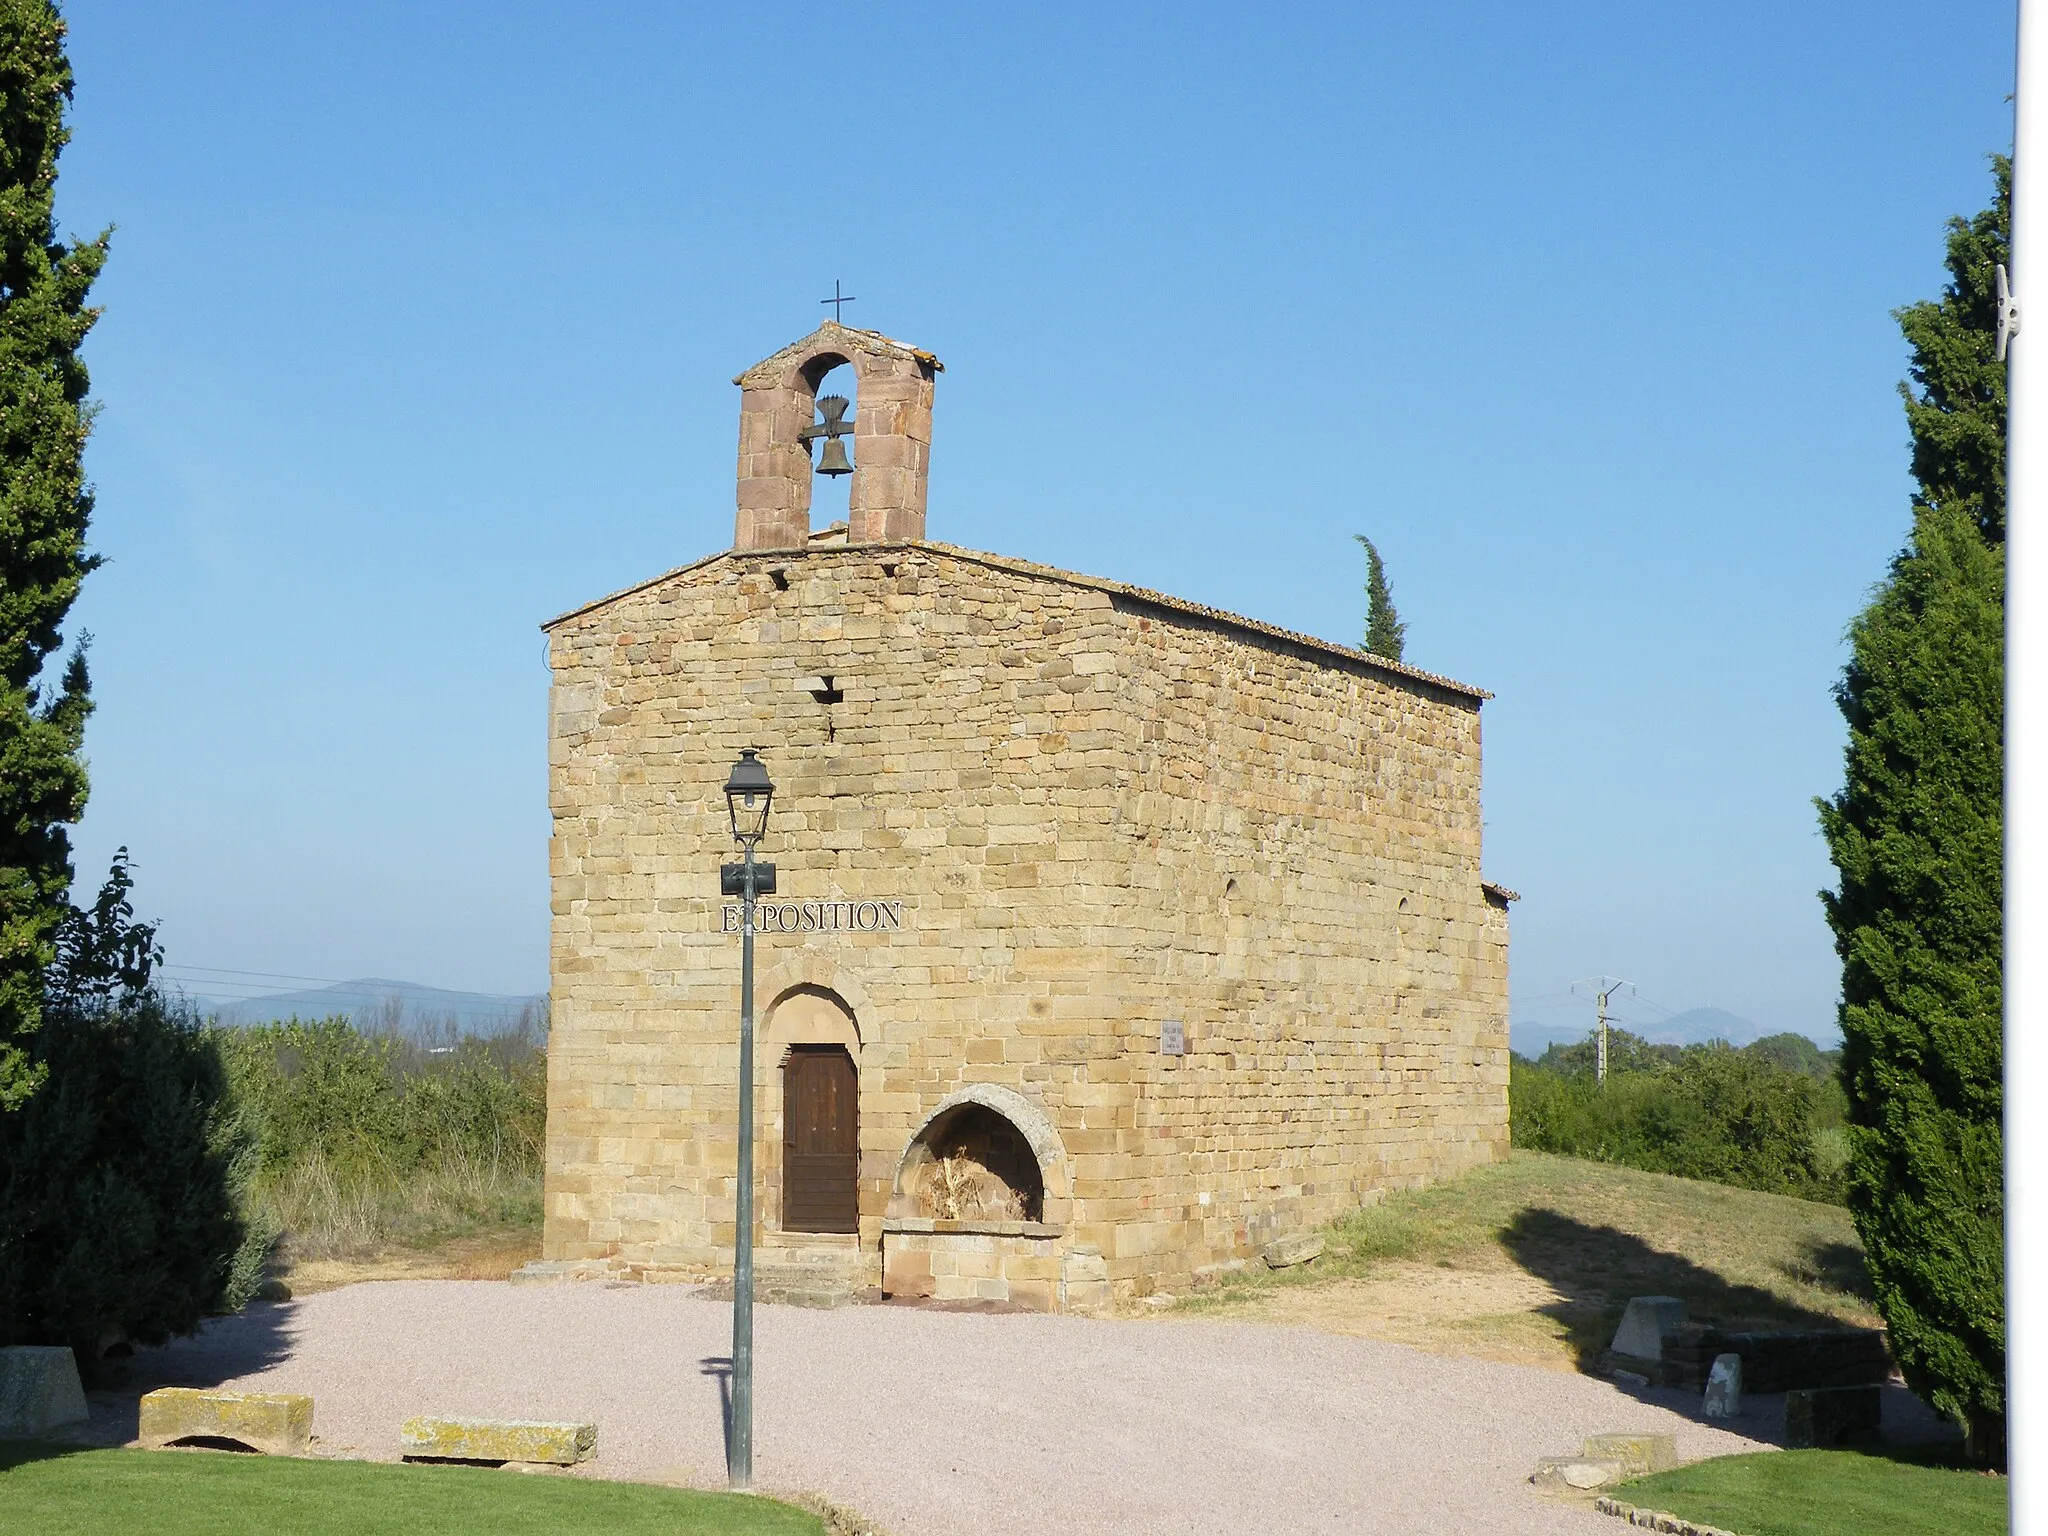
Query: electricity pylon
(1603, 987)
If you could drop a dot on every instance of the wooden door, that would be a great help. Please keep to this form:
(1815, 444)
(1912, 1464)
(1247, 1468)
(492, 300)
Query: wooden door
(820, 1141)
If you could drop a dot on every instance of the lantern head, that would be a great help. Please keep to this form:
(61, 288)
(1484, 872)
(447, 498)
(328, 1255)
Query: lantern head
(747, 794)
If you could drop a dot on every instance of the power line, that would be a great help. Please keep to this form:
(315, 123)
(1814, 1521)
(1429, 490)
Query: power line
(245, 992)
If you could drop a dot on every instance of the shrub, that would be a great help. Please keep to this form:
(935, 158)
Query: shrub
(1796, 1053)
(123, 1176)
(381, 1104)
(121, 1183)
(1626, 1052)
(371, 1140)
(1701, 1112)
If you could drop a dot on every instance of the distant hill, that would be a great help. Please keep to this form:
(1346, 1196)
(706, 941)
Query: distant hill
(1695, 1026)
(403, 1007)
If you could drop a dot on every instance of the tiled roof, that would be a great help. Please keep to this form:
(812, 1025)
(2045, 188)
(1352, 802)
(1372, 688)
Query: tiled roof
(1070, 578)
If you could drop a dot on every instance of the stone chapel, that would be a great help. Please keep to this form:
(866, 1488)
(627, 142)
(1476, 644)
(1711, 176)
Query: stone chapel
(1116, 938)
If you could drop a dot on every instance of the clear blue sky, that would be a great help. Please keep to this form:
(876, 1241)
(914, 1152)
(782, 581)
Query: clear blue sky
(421, 321)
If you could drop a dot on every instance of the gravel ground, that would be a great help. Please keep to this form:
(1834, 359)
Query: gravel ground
(943, 1423)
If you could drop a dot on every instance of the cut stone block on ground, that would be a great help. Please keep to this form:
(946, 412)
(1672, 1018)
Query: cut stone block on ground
(497, 1440)
(39, 1390)
(276, 1423)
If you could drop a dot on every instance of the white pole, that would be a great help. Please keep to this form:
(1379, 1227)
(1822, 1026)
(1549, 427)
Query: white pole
(2026, 798)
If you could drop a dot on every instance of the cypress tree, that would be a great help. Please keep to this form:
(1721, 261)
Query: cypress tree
(1955, 404)
(122, 1155)
(1384, 631)
(44, 508)
(1916, 836)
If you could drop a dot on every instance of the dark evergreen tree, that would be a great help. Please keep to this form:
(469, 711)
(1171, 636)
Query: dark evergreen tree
(121, 1155)
(1955, 403)
(44, 507)
(123, 1175)
(1916, 835)
(1384, 632)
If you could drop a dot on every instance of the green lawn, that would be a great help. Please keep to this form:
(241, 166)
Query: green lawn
(58, 1491)
(1825, 1493)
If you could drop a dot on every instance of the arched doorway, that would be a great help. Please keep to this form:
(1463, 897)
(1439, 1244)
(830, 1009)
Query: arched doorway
(812, 1163)
(820, 1140)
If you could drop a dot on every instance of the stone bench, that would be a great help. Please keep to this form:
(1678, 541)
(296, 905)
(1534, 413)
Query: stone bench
(497, 1441)
(275, 1423)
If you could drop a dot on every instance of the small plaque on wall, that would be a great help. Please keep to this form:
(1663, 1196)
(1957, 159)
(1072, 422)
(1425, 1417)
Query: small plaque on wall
(1173, 1038)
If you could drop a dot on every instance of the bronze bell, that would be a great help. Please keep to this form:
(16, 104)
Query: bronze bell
(834, 460)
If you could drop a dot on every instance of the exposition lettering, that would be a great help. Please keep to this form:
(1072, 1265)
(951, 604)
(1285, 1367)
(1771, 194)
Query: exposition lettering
(819, 916)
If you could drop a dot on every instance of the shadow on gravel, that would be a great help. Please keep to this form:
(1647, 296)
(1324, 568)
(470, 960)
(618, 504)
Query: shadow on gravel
(1599, 1268)
(719, 1367)
(224, 1348)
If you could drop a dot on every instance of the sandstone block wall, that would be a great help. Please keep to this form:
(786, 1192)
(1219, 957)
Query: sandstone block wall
(1100, 812)
(892, 439)
(1304, 899)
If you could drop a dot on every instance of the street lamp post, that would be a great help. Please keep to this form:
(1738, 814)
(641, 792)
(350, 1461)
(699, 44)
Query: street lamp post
(747, 794)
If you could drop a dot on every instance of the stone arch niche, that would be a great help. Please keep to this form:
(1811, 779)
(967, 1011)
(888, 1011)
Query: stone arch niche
(1012, 1154)
(891, 449)
(980, 1204)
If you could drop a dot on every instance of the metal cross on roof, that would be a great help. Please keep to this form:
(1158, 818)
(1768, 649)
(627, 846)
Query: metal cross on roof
(837, 299)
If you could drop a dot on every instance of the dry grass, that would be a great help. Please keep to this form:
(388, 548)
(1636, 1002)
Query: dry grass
(1533, 1260)
(960, 1188)
(459, 1219)
(492, 1256)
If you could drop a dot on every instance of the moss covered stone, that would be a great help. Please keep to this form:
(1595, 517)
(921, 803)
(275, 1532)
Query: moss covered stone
(561, 1445)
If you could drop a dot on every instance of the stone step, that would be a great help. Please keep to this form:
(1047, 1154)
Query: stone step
(792, 1290)
(803, 1275)
(821, 1298)
(847, 1261)
(559, 1271)
(806, 1283)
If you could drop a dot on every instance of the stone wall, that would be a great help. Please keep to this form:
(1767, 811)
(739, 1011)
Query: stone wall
(1017, 1262)
(1303, 896)
(1101, 811)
